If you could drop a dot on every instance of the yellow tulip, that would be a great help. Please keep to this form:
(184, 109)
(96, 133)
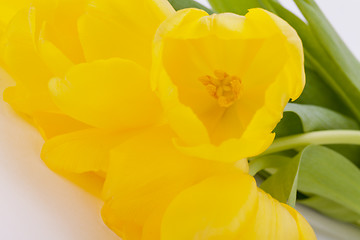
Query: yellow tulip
(225, 79)
(61, 40)
(32, 54)
(112, 90)
(153, 192)
(93, 48)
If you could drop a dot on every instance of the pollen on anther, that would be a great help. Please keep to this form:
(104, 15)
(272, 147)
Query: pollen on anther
(224, 88)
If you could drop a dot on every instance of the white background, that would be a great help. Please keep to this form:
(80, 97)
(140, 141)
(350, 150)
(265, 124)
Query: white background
(36, 204)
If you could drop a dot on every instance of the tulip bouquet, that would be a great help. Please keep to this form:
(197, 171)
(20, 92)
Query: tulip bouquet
(174, 108)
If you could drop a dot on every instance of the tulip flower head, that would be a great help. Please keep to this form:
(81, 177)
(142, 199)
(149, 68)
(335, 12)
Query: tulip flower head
(172, 196)
(49, 47)
(82, 73)
(225, 79)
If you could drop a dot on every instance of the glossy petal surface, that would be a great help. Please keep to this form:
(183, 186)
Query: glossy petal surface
(82, 151)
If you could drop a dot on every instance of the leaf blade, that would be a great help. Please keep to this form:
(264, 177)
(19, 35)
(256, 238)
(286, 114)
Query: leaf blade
(347, 74)
(324, 172)
(300, 118)
(282, 185)
(181, 4)
(331, 209)
(235, 6)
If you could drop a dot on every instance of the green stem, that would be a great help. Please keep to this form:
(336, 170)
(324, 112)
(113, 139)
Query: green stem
(319, 138)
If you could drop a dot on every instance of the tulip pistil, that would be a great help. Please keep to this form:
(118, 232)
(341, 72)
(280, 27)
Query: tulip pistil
(223, 87)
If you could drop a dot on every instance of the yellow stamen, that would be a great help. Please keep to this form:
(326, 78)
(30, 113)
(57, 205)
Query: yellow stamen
(223, 87)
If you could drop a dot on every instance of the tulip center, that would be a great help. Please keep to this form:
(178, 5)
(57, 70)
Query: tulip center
(223, 87)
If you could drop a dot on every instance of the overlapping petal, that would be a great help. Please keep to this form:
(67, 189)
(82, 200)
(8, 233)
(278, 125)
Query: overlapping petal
(236, 76)
(56, 22)
(152, 192)
(31, 61)
(109, 94)
(82, 151)
(8, 10)
(112, 28)
(19, 53)
(214, 209)
(145, 174)
(51, 37)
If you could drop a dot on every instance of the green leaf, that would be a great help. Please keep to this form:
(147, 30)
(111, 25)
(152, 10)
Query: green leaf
(289, 125)
(282, 185)
(300, 118)
(268, 161)
(317, 59)
(235, 6)
(329, 38)
(325, 173)
(322, 88)
(309, 40)
(347, 65)
(181, 4)
(335, 78)
(313, 49)
(351, 152)
(331, 209)
(315, 118)
(318, 93)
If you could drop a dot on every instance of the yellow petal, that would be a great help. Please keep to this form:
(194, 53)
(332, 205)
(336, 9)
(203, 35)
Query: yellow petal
(56, 22)
(266, 219)
(43, 114)
(231, 150)
(82, 151)
(278, 222)
(145, 174)
(90, 182)
(230, 207)
(107, 29)
(294, 66)
(54, 59)
(8, 9)
(54, 124)
(19, 54)
(110, 94)
(28, 102)
(220, 207)
(305, 230)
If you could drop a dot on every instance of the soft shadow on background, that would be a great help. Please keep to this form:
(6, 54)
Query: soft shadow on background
(35, 203)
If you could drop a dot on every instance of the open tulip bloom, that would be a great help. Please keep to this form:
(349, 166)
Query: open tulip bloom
(165, 109)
